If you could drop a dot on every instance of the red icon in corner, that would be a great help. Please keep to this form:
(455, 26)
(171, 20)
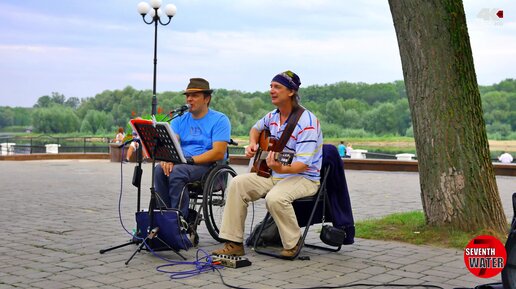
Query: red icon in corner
(485, 256)
(499, 14)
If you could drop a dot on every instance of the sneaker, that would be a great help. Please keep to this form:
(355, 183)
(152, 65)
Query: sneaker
(125, 161)
(290, 253)
(230, 249)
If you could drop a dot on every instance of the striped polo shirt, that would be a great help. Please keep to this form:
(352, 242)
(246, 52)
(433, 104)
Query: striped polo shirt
(305, 142)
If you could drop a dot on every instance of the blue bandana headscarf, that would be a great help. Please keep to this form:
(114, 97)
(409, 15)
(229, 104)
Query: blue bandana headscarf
(289, 79)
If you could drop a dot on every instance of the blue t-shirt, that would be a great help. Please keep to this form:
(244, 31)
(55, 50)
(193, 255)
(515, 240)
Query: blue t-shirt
(342, 150)
(197, 135)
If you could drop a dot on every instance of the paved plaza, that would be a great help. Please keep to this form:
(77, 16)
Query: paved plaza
(55, 216)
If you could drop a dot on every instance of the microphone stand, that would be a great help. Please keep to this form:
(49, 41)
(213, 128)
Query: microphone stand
(138, 171)
(178, 113)
(152, 232)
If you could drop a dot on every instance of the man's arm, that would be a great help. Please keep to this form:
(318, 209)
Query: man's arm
(216, 153)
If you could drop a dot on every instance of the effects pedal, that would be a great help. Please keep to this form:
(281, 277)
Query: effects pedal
(231, 261)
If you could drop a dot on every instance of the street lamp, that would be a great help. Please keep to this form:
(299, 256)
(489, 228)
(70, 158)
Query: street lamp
(154, 11)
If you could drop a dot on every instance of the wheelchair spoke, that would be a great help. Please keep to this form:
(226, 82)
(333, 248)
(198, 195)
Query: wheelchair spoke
(215, 198)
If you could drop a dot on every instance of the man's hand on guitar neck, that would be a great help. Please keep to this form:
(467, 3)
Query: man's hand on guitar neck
(278, 167)
(272, 163)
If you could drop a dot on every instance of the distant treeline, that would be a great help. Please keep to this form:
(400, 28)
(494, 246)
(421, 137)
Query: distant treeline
(345, 110)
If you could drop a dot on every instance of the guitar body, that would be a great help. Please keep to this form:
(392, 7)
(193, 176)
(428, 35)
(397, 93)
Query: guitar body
(265, 145)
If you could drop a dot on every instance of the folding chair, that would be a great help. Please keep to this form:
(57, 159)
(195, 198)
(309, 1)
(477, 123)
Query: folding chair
(316, 202)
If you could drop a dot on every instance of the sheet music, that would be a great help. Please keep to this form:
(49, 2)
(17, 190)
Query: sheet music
(173, 136)
(168, 148)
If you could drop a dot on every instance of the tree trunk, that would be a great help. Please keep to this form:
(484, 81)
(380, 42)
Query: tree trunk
(458, 185)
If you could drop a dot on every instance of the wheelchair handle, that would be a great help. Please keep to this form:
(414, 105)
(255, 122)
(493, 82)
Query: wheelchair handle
(232, 142)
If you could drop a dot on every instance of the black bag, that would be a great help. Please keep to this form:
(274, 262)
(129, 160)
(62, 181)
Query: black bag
(270, 234)
(332, 236)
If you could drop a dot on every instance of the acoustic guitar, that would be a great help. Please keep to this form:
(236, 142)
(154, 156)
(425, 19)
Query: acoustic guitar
(265, 145)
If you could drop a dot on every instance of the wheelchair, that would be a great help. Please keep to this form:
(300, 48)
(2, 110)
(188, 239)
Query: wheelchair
(208, 197)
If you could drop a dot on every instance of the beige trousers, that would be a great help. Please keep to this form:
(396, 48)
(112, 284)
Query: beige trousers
(279, 196)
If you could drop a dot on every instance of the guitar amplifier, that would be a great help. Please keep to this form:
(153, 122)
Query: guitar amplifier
(231, 261)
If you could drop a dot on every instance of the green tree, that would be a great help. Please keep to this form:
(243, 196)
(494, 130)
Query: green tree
(55, 119)
(500, 111)
(334, 111)
(73, 102)
(382, 119)
(22, 116)
(48, 101)
(403, 122)
(6, 116)
(43, 101)
(57, 98)
(97, 121)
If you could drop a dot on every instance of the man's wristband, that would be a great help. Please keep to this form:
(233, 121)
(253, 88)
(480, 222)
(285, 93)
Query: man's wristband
(190, 161)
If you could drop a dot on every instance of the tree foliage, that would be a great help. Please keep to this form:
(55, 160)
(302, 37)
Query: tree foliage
(96, 122)
(6, 116)
(55, 119)
(345, 109)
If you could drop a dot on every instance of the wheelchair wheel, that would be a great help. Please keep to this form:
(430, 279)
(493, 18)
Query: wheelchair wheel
(214, 198)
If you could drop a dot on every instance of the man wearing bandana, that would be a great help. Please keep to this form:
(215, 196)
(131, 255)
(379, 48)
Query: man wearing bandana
(287, 183)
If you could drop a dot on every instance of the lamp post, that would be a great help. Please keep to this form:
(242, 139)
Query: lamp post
(155, 12)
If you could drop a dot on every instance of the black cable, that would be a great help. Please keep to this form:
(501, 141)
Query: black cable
(344, 286)
(120, 198)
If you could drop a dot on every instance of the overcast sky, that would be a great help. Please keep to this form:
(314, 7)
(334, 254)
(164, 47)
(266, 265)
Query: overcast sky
(80, 48)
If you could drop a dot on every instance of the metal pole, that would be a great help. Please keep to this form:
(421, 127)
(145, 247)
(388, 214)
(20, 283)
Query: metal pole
(155, 20)
(154, 99)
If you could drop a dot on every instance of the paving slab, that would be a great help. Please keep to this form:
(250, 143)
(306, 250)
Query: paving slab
(55, 216)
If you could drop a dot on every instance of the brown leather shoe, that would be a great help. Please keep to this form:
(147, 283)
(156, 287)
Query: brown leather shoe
(231, 249)
(289, 253)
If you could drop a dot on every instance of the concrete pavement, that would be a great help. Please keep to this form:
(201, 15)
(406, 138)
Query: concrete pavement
(55, 216)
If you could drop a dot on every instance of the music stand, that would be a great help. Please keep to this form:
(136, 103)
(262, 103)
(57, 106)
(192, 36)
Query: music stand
(160, 143)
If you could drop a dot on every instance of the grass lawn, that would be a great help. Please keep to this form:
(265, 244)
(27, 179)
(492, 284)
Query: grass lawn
(411, 228)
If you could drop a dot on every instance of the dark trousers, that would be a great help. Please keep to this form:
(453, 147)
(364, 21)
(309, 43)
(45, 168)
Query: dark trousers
(170, 189)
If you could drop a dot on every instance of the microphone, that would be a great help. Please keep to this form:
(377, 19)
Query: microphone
(181, 109)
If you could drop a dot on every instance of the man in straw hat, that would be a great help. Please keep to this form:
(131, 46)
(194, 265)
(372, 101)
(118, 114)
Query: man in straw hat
(204, 135)
(288, 183)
